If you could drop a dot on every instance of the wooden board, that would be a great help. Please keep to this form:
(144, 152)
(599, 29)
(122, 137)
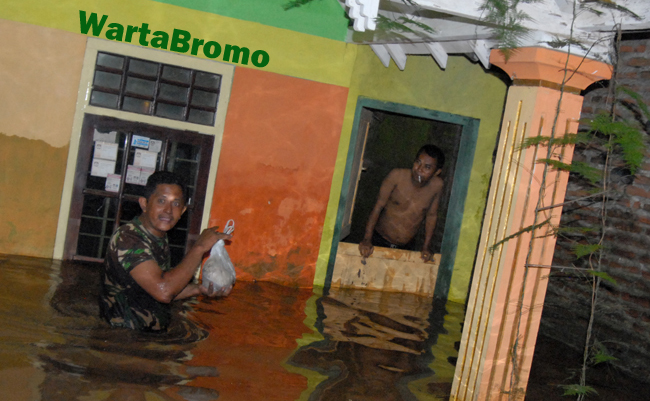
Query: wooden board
(386, 270)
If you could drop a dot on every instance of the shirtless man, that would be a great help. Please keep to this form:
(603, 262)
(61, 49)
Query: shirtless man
(406, 198)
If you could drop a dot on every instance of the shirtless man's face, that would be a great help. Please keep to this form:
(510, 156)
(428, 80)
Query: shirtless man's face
(424, 168)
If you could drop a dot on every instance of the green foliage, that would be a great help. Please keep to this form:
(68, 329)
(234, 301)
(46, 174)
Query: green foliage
(610, 5)
(590, 173)
(558, 43)
(507, 20)
(566, 139)
(577, 389)
(625, 136)
(530, 228)
(581, 250)
(401, 24)
(566, 231)
(295, 4)
(601, 354)
(603, 275)
(638, 100)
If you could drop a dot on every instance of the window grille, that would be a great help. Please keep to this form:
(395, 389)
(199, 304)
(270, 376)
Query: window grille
(155, 89)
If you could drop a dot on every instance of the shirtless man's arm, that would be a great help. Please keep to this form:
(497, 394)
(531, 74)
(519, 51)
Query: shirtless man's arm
(429, 226)
(387, 187)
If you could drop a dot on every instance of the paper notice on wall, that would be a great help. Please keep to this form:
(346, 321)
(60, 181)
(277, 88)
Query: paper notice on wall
(132, 175)
(140, 141)
(104, 136)
(144, 158)
(102, 168)
(105, 150)
(138, 175)
(113, 183)
(155, 145)
(145, 172)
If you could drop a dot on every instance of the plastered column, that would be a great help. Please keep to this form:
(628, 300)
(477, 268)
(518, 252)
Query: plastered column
(509, 281)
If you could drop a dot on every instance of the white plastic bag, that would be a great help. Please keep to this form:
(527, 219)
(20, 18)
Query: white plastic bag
(218, 269)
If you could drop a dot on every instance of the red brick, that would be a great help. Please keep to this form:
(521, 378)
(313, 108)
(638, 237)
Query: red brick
(641, 180)
(639, 62)
(628, 75)
(636, 191)
(632, 49)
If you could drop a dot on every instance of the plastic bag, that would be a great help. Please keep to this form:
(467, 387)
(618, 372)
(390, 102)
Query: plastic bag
(218, 269)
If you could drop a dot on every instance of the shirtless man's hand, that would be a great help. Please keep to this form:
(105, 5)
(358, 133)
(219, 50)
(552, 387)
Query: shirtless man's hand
(366, 248)
(427, 256)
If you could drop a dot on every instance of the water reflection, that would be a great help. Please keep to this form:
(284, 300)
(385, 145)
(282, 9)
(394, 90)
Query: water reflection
(264, 341)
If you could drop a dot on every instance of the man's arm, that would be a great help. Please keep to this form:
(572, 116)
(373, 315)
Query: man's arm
(173, 284)
(429, 227)
(387, 186)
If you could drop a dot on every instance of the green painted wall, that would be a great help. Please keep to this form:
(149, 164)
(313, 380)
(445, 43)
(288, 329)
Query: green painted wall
(464, 88)
(325, 18)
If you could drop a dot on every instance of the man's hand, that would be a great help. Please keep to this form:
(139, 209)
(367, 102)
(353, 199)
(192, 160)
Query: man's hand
(427, 256)
(366, 248)
(211, 292)
(209, 237)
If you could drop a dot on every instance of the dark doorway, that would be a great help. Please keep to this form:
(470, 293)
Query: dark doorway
(386, 136)
(392, 141)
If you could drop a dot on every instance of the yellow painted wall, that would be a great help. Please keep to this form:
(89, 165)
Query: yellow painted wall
(464, 88)
(294, 54)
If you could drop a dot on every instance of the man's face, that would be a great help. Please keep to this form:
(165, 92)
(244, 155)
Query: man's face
(424, 168)
(163, 209)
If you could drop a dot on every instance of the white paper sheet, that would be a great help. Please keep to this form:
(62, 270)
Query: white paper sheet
(155, 145)
(145, 172)
(144, 158)
(104, 136)
(102, 168)
(105, 150)
(113, 183)
(132, 175)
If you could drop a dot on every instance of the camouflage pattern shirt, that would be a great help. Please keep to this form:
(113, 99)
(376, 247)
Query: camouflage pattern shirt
(123, 303)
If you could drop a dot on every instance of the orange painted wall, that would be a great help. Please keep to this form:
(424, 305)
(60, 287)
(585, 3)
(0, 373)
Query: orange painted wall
(275, 171)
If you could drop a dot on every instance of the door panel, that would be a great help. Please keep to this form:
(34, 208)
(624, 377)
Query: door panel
(355, 174)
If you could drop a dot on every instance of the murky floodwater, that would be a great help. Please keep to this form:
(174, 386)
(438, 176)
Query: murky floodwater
(263, 342)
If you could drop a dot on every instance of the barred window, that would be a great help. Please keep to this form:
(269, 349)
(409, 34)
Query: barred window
(156, 89)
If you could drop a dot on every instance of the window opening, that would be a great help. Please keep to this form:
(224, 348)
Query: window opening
(162, 90)
(106, 197)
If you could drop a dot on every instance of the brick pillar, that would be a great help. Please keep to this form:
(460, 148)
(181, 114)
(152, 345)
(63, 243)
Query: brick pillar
(508, 286)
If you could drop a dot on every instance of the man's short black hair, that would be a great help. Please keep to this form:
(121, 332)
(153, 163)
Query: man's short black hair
(434, 152)
(163, 177)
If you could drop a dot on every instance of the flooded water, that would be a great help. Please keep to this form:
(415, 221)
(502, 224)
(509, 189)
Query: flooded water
(263, 342)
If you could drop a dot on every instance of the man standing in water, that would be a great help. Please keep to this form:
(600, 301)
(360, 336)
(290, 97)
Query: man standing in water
(406, 198)
(139, 283)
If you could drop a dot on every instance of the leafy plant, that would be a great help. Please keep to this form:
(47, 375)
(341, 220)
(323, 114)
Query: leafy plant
(577, 389)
